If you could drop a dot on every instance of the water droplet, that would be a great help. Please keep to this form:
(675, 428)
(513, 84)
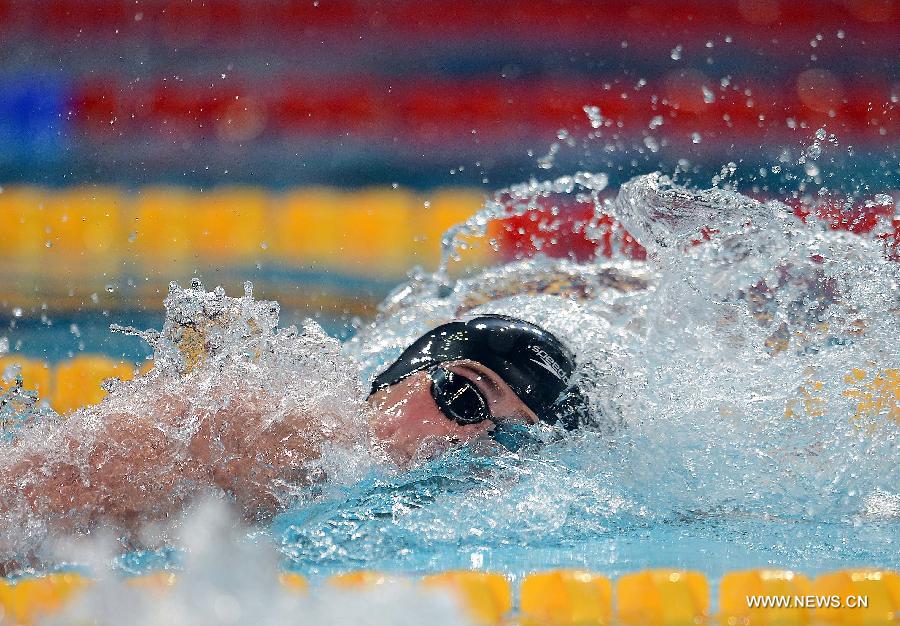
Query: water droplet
(656, 122)
(821, 134)
(696, 138)
(811, 169)
(708, 96)
(651, 143)
(594, 115)
(17, 311)
(132, 236)
(676, 52)
(589, 180)
(546, 162)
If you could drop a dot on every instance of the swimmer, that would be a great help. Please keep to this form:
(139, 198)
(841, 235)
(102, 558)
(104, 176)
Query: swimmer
(480, 378)
(467, 379)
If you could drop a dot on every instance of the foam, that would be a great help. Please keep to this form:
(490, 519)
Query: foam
(720, 368)
(227, 387)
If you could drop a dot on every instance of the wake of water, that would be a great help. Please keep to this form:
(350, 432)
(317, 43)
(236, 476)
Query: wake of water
(726, 369)
(726, 375)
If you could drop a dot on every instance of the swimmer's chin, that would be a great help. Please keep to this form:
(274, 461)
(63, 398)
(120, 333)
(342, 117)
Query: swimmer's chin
(432, 448)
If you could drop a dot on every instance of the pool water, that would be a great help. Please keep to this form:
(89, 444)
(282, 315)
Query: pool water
(62, 336)
(734, 437)
(524, 515)
(735, 383)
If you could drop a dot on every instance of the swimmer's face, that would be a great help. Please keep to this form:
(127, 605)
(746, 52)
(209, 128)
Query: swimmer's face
(410, 427)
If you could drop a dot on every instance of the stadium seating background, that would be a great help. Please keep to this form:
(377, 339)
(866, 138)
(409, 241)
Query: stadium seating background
(350, 92)
(320, 148)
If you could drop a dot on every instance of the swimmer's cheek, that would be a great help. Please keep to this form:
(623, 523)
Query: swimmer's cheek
(434, 446)
(471, 432)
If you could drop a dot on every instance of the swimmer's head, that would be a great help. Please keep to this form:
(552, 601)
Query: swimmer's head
(473, 377)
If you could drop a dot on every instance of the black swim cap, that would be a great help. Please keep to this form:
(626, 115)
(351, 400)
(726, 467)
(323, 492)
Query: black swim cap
(536, 366)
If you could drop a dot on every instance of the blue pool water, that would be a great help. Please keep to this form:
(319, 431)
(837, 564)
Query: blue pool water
(728, 441)
(727, 448)
(509, 518)
(62, 336)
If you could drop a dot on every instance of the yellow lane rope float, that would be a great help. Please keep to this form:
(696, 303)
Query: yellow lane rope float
(660, 597)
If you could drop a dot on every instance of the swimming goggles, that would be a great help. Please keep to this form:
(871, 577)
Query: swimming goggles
(459, 399)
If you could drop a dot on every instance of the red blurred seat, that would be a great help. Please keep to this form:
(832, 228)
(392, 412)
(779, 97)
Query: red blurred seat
(186, 22)
(526, 235)
(96, 104)
(313, 107)
(71, 17)
(292, 16)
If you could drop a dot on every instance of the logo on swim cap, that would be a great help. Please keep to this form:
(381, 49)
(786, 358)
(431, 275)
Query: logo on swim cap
(547, 362)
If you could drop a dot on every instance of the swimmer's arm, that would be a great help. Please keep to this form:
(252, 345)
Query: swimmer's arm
(104, 466)
(127, 470)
